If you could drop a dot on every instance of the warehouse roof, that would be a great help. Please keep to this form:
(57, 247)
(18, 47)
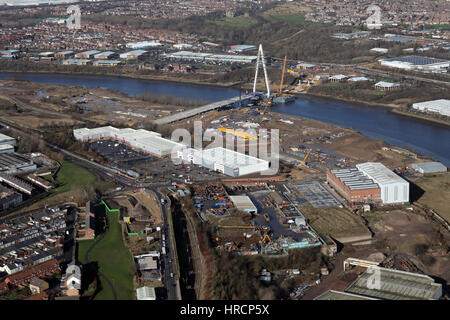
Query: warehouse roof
(354, 179)
(417, 60)
(379, 173)
(230, 158)
(386, 84)
(339, 295)
(243, 203)
(5, 138)
(146, 293)
(429, 167)
(440, 105)
(397, 285)
(91, 52)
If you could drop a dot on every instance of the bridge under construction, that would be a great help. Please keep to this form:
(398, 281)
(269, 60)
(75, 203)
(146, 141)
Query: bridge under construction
(225, 104)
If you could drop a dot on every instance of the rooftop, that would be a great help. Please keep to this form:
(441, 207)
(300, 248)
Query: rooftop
(379, 173)
(417, 60)
(229, 157)
(397, 285)
(354, 179)
(243, 203)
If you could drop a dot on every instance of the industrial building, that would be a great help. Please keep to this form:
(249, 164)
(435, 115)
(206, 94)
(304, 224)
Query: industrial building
(13, 163)
(394, 189)
(387, 86)
(87, 54)
(416, 63)
(16, 183)
(105, 55)
(9, 198)
(339, 295)
(242, 48)
(354, 185)
(440, 106)
(144, 45)
(396, 285)
(210, 57)
(145, 293)
(227, 161)
(429, 167)
(133, 55)
(244, 203)
(147, 141)
(4, 139)
(6, 148)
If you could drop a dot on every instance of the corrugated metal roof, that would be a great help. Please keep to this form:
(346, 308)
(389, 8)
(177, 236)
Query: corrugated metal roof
(243, 203)
(396, 285)
(379, 173)
(429, 167)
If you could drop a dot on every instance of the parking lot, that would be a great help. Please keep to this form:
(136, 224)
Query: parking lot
(116, 152)
(317, 195)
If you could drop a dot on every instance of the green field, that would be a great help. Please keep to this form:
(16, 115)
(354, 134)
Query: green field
(289, 18)
(70, 177)
(114, 261)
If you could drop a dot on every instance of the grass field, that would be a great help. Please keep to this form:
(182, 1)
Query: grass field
(114, 261)
(289, 18)
(334, 221)
(70, 177)
(437, 193)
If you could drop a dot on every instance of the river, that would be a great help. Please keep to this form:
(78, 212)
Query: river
(424, 137)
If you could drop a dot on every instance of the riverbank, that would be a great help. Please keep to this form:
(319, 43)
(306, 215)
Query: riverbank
(166, 78)
(423, 117)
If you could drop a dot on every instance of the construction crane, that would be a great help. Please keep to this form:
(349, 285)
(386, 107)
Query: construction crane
(266, 237)
(281, 97)
(303, 163)
(282, 76)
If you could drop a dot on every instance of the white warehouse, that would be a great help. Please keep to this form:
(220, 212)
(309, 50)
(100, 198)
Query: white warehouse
(394, 189)
(227, 161)
(148, 141)
(440, 106)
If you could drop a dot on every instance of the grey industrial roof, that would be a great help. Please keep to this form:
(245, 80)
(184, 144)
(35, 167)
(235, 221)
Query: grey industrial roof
(417, 60)
(5, 138)
(339, 295)
(243, 203)
(146, 293)
(379, 173)
(430, 167)
(354, 179)
(397, 285)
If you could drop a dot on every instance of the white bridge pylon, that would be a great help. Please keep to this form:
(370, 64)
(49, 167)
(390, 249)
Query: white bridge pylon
(260, 59)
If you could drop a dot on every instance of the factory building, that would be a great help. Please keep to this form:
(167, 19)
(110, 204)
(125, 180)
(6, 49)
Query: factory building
(105, 55)
(4, 139)
(354, 186)
(13, 163)
(147, 141)
(369, 182)
(416, 63)
(6, 148)
(440, 106)
(429, 167)
(9, 198)
(394, 189)
(243, 203)
(396, 285)
(87, 54)
(227, 161)
(16, 183)
(144, 45)
(210, 57)
(134, 55)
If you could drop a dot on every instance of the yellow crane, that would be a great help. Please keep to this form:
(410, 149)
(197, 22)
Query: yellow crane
(303, 163)
(282, 75)
(265, 237)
